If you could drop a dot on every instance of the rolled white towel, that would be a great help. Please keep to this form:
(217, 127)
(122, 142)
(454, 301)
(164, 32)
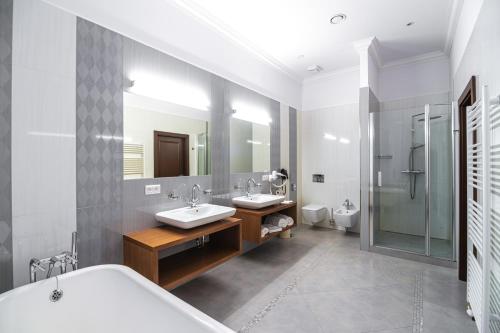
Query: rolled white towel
(289, 221)
(263, 231)
(276, 220)
(272, 228)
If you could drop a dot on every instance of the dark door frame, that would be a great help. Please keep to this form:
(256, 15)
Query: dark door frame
(184, 137)
(467, 98)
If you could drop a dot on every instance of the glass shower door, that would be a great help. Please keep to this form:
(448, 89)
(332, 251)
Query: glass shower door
(398, 187)
(412, 179)
(441, 243)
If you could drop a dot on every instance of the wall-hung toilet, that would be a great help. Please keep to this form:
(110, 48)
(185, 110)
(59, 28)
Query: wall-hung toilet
(313, 213)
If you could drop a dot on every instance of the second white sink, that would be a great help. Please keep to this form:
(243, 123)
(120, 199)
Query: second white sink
(188, 217)
(258, 201)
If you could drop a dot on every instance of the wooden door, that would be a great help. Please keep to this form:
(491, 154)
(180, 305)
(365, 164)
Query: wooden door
(467, 98)
(171, 154)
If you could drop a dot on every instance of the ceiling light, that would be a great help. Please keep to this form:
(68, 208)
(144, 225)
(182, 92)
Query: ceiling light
(315, 68)
(161, 88)
(344, 140)
(251, 114)
(409, 24)
(338, 18)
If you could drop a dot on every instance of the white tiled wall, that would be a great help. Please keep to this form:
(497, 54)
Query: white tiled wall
(43, 133)
(338, 161)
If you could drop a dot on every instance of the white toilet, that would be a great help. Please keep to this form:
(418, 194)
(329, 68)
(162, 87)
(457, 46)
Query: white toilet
(313, 213)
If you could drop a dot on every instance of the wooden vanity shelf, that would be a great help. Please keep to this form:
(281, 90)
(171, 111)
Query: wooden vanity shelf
(254, 218)
(141, 251)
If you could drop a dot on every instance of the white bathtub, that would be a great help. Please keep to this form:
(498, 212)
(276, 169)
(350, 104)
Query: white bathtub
(107, 298)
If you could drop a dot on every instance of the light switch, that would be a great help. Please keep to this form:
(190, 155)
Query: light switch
(152, 189)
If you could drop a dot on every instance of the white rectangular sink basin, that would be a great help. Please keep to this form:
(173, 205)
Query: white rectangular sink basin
(258, 201)
(187, 217)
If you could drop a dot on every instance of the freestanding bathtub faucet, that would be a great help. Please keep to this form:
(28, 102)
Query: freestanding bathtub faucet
(62, 260)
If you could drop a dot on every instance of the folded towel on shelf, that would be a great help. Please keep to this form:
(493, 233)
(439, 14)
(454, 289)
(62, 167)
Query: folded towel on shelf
(263, 231)
(279, 220)
(276, 220)
(272, 228)
(288, 219)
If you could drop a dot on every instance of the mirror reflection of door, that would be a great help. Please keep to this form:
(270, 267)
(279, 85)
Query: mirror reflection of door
(171, 152)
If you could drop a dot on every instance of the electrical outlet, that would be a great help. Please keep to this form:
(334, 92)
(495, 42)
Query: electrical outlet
(152, 189)
(265, 178)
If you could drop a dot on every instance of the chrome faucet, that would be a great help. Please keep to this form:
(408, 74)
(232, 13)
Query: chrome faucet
(194, 195)
(347, 204)
(251, 181)
(35, 266)
(62, 260)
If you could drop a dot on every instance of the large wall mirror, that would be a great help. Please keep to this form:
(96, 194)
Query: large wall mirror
(164, 139)
(166, 121)
(250, 131)
(168, 105)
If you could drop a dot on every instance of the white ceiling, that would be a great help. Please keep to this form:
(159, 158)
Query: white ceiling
(279, 31)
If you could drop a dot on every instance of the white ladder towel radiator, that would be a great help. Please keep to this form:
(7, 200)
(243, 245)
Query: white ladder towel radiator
(483, 212)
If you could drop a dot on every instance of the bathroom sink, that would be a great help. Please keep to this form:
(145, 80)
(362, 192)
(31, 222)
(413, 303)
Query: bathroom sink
(257, 201)
(188, 217)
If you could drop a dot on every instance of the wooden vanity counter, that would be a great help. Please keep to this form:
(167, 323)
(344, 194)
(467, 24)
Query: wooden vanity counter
(254, 218)
(141, 251)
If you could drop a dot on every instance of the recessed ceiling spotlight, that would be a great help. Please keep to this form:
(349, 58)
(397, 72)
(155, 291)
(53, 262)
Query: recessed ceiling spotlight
(314, 68)
(409, 24)
(338, 18)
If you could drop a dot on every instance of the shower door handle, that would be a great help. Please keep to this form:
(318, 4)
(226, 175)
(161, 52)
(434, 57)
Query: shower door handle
(379, 179)
(413, 172)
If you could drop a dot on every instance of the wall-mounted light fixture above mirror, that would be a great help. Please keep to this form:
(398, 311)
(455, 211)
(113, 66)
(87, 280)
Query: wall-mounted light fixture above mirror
(168, 90)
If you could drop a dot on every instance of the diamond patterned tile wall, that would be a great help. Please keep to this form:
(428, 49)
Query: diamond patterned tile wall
(6, 11)
(99, 144)
(274, 107)
(293, 152)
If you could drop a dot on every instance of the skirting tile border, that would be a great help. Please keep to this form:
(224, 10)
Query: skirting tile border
(418, 304)
(269, 307)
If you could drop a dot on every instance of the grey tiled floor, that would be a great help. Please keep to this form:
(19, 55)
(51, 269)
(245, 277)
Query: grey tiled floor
(319, 281)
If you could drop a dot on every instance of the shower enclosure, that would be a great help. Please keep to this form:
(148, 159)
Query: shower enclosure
(411, 197)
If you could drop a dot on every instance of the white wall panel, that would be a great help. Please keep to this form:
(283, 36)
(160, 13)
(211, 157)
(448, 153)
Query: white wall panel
(338, 161)
(43, 133)
(331, 89)
(420, 78)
